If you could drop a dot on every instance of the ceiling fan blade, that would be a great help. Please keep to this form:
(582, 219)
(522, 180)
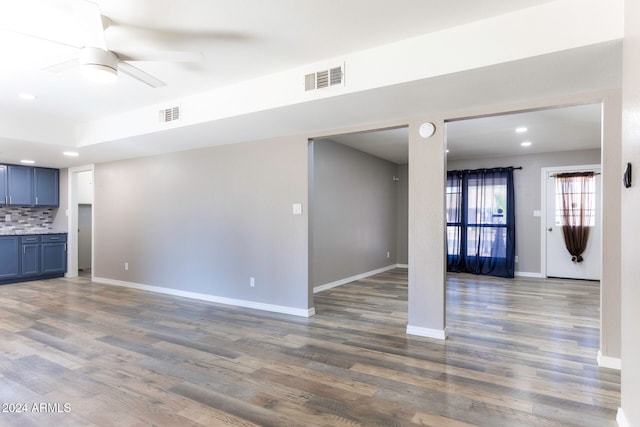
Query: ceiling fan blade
(62, 66)
(90, 23)
(140, 75)
(38, 37)
(161, 56)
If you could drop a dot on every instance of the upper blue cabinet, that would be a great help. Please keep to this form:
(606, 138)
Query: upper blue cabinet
(20, 185)
(4, 197)
(29, 186)
(45, 187)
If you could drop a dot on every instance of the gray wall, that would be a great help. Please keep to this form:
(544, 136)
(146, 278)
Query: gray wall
(355, 216)
(630, 223)
(527, 195)
(207, 220)
(403, 215)
(84, 236)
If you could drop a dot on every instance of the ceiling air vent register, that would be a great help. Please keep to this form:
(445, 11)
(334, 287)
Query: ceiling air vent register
(324, 79)
(169, 114)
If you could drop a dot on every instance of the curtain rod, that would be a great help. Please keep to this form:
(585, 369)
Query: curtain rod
(486, 169)
(556, 174)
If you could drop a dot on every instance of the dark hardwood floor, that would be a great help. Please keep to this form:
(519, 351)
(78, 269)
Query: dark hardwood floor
(520, 353)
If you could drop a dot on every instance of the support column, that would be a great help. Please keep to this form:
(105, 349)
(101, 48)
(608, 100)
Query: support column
(427, 268)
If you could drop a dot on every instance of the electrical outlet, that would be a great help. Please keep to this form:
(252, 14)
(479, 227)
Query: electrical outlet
(515, 259)
(252, 282)
(126, 266)
(388, 255)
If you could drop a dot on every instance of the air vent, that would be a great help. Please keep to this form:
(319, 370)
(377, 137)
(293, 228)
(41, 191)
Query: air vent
(324, 79)
(169, 114)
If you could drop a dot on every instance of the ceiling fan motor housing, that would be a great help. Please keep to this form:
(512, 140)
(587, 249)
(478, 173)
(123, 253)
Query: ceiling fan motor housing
(97, 56)
(98, 65)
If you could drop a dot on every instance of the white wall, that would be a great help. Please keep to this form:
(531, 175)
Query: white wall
(630, 415)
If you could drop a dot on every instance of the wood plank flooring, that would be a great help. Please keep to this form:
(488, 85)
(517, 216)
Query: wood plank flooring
(520, 353)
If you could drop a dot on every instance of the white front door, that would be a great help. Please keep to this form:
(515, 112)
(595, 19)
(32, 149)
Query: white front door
(558, 258)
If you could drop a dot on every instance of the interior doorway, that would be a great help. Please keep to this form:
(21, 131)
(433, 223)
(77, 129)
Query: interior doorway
(533, 139)
(358, 206)
(80, 221)
(85, 228)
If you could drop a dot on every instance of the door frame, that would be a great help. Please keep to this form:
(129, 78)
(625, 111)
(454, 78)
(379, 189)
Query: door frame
(544, 182)
(72, 221)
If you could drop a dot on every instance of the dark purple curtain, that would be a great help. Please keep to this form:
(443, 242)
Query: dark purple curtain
(577, 202)
(481, 222)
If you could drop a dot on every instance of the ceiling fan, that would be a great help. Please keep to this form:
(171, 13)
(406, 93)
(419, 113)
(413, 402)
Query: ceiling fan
(102, 65)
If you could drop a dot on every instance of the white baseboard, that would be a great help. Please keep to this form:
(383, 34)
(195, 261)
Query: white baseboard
(609, 362)
(621, 419)
(527, 274)
(341, 282)
(211, 298)
(439, 334)
(402, 265)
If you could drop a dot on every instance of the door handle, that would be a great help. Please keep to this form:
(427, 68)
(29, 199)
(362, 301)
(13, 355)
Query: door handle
(549, 229)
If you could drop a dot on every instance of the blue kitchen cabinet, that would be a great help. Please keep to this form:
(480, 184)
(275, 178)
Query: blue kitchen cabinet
(20, 185)
(4, 199)
(54, 254)
(30, 256)
(29, 186)
(46, 187)
(9, 257)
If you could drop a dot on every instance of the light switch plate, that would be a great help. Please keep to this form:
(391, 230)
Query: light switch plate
(297, 208)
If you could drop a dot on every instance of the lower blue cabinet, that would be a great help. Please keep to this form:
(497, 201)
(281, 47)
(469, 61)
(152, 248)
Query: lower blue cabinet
(9, 257)
(54, 253)
(32, 257)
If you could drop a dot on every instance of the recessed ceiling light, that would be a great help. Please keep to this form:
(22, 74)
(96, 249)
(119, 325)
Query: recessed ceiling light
(27, 162)
(521, 129)
(70, 153)
(26, 96)
(525, 143)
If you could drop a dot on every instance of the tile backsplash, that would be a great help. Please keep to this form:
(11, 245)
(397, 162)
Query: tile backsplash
(22, 219)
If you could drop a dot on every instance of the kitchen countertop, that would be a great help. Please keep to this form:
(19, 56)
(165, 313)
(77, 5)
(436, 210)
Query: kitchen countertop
(29, 232)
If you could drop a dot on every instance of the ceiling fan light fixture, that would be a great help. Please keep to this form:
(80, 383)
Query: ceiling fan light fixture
(99, 73)
(98, 65)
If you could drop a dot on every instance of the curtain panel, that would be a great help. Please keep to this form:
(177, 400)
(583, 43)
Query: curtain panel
(481, 222)
(578, 192)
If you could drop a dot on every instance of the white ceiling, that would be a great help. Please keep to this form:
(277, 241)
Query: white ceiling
(566, 128)
(244, 39)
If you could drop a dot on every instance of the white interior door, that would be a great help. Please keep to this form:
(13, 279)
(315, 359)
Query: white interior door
(558, 258)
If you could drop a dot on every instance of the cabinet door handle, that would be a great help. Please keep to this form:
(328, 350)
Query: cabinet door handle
(36, 200)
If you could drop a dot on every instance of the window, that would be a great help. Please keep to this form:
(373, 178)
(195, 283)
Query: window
(480, 222)
(486, 218)
(581, 192)
(454, 214)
